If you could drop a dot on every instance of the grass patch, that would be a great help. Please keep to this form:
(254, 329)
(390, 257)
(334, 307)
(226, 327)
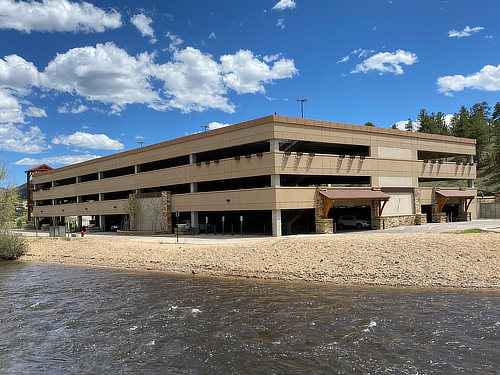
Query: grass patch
(470, 231)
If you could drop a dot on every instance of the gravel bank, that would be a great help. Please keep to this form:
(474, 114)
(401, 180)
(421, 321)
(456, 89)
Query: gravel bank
(422, 260)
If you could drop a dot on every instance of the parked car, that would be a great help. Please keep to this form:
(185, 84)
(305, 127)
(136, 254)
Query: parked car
(114, 228)
(350, 221)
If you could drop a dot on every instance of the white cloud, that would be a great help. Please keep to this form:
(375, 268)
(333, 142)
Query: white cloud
(104, 73)
(246, 74)
(143, 24)
(18, 74)
(56, 15)
(487, 79)
(285, 4)
(362, 52)
(387, 62)
(74, 108)
(272, 58)
(401, 125)
(35, 112)
(175, 42)
(212, 36)
(89, 141)
(281, 23)
(216, 125)
(57, 160)
(343, 60)
(192, 82)
(19, 139)
(10, 109)
(466, 32)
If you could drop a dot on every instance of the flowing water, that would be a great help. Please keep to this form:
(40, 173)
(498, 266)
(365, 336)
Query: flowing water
(74, 320)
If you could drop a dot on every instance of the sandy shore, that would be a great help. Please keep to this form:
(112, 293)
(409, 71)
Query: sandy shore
(422, 260)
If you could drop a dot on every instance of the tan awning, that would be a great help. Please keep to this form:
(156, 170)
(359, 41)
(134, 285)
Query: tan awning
(355, 194)
(456, 193)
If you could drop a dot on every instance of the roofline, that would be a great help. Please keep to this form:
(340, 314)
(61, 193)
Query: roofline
(265, 120)
(371, 129)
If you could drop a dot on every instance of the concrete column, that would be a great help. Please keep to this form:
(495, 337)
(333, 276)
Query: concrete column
(53, 202)
(100, 197)
(274, 145)
(99, 175)
(275, 180)
(193, 188)
(78, 179)
(276, 223)
(78, 199)
(192, 158)
(79, 221)
(102, 220)
(136, 169)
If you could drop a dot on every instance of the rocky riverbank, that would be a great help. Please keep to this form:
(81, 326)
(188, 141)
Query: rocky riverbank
(417, 260)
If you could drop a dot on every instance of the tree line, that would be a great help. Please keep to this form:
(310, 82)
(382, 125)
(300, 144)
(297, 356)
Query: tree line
(480, 122)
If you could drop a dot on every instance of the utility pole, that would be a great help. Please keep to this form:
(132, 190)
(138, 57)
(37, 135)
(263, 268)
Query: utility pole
(302, 101)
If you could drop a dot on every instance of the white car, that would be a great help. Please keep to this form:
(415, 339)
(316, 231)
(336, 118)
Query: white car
(350, 221)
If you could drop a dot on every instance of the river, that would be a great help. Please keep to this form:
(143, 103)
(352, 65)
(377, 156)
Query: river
(75, 320)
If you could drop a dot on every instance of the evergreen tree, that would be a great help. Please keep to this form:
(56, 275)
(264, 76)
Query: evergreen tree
(409, 125)
(479, 127)
(460, 123)
(425, 122)
(369, 124)
(495, 124)
(394, 126)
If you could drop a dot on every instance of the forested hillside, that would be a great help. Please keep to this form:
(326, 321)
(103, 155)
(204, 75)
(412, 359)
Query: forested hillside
(480, 122)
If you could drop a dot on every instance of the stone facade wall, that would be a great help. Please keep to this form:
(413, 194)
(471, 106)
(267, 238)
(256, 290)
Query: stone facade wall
(153, 213)
(323, 224)
(386, 222)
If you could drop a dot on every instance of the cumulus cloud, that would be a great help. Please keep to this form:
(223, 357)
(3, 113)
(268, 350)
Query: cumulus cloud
(284, 4)
(88, 141)
(216, 125)
(143, 24)
(56, 15)
(466, 32)
(191, 80)
(401, 125)
(246, 74)
(57, 160)
(212, 35)
(74, 108)
(104, 73)
(272, 58)
(387, 62)
(18, 74)
(344, 59)
(22, 139)
(10, 109)
(487, 79)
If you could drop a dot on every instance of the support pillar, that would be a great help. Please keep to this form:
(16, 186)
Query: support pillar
(80, 224)
(102, 222)
(274, 145)
(276, 223)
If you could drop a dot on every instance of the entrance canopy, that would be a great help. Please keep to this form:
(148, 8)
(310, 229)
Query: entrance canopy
(456, 193)
(355, 194)
(444, 195)
(330, 197)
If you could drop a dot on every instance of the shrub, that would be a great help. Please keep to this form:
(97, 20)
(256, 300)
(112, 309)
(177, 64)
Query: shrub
(12, 246)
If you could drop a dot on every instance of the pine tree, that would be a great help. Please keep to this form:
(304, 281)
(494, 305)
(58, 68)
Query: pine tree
(369, 124)
(479, 127)
(460, 123)
(394, 126)
(425, 121)
(409, 125)
(495, 124)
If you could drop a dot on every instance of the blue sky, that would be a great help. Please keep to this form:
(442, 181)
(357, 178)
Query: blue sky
(79, 79)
